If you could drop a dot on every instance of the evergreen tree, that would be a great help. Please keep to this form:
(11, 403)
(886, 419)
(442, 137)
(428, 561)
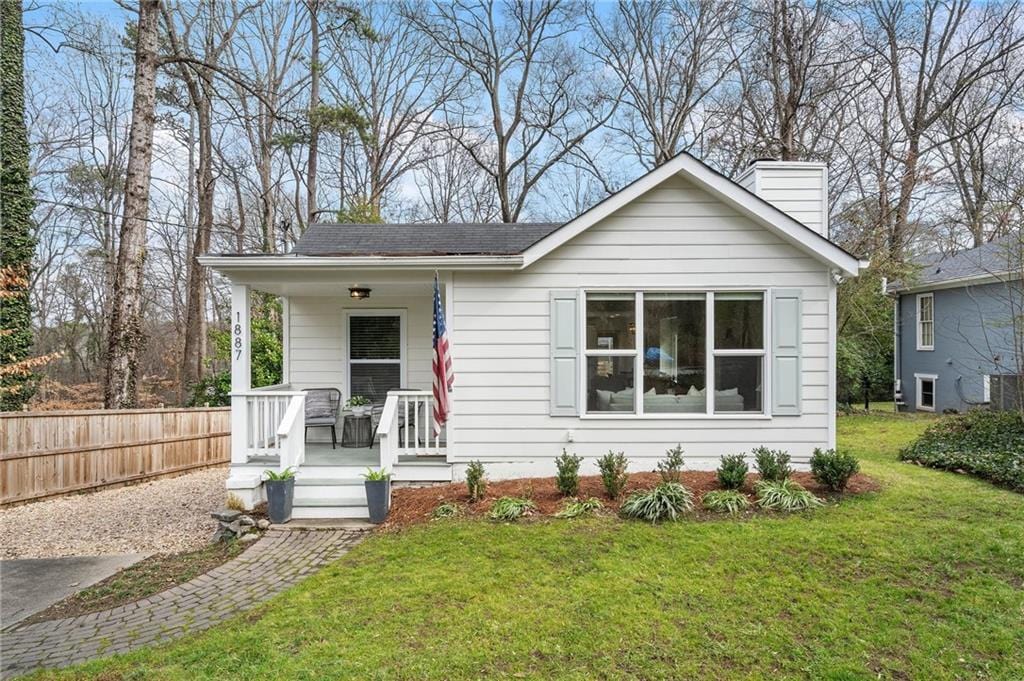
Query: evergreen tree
(17, 244)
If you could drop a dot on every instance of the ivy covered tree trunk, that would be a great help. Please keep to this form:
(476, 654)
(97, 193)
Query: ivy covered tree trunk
(126, 339)
(16, 205)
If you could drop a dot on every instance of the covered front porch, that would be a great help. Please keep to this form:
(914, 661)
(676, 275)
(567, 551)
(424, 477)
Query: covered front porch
(375, 343)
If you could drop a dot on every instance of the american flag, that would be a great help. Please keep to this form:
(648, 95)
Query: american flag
(442, 362)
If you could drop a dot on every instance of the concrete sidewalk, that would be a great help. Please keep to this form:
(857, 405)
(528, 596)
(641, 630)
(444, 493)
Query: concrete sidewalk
(33, 584)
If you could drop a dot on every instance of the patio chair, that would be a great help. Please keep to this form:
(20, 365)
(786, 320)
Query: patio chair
(323, 410)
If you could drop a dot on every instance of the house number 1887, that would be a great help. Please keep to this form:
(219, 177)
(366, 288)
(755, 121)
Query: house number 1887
(237, 332)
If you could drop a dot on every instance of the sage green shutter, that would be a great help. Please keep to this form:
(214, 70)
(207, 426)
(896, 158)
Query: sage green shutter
(787, 321)
(565, 349)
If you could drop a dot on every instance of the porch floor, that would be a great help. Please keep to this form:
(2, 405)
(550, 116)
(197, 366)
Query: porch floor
(321, 454)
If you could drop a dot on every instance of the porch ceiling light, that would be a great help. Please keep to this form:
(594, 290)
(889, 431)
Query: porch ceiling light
(359, 292)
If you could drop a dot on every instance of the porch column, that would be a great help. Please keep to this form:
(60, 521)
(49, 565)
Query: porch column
(241, 372)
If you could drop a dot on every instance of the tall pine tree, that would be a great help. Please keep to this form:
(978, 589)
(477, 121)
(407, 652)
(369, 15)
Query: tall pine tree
(16, 204)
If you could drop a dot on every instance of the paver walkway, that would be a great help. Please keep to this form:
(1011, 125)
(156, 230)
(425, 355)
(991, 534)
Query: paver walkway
(278, 560)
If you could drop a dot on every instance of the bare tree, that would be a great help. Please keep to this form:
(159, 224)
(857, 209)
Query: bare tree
(930, 55)
(669, 56)
(125, 339)
(537, 100)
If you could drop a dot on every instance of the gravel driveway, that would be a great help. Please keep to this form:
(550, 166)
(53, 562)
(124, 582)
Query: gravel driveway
(162, 516)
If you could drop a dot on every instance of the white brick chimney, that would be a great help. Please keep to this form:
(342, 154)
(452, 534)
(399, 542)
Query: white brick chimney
(798, 188)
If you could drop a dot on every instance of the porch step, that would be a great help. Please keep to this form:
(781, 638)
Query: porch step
(328, 508)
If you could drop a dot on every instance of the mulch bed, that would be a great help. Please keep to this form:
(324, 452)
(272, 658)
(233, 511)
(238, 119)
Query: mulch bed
(414, 505)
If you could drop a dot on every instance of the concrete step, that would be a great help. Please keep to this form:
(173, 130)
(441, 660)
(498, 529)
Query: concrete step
(326, 512)
(340, 493)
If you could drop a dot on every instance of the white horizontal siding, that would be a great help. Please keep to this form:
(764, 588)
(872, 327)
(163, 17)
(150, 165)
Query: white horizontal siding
(673, 237)
(317, 339)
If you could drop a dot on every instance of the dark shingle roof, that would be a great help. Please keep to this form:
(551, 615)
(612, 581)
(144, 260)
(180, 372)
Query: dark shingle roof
(422, 239)
(991, 258)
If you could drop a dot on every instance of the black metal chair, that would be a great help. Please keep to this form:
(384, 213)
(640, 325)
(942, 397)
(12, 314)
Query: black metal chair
(323, 409)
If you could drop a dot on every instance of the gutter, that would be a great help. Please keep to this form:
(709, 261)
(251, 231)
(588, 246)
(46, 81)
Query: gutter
(223, 263)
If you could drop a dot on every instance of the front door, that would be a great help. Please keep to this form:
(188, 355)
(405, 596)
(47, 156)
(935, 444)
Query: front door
(376, 353)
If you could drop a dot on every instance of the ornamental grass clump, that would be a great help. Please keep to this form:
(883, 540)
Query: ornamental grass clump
(833, 469)
(732, 472)
(726, 501)
(476, 483)
(671, 467)
(446, 510)
(511, 508)
(578, 508)
(772, 464)
(613, 473)
(784, 495)
(667, 501)
(567, 477)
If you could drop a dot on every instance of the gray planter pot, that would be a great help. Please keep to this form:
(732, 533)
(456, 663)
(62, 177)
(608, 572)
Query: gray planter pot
(378, 499)
(280, 496)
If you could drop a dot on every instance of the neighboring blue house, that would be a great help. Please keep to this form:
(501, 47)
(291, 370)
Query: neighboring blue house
(954, 326)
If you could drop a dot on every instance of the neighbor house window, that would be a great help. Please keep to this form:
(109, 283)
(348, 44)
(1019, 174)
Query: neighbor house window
(650, 352)
(925, 321)
(926, 391)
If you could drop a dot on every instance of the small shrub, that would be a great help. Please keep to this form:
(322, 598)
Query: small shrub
(568, 476)
(376, 476)
(667, 501)
(671, 467)
(726, 501)
(988, 444)
(784, 495)
(447, 509)
(772, 464)
(613, 473)
(833, 469)
(511, 508)
(577, 508)
(476, 483)
(732, 472)
(234, 502)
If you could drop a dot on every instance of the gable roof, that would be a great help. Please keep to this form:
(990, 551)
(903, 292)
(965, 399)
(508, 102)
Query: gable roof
(421, 239)
(722, 188)
(983, 262)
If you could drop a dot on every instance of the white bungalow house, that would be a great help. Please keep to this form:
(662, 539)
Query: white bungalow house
(686, 308)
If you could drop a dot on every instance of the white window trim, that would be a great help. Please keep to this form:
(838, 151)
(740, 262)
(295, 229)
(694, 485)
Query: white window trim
(920, 345)
(346, 350)
(709, 408)
(986, 388)
(918, 378)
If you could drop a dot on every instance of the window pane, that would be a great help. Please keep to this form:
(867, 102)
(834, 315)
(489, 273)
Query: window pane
(375, 380)
(927, 393)
(674, 363)
(739, 321)
(738, 383)
(611, 321)
(375, 337)
(610, 384)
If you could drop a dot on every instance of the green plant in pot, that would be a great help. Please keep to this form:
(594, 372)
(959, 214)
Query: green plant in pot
(378, 494)
(280, 494)
(359, 405)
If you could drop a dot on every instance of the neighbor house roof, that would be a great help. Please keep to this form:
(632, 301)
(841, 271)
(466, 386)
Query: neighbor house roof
(937, 270)
(421, 239)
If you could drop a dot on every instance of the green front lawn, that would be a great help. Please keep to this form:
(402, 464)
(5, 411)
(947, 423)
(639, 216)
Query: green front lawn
(922, 580)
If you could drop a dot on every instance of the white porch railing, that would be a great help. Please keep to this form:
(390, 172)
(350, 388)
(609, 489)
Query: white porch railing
(268, 422)
(406, 427)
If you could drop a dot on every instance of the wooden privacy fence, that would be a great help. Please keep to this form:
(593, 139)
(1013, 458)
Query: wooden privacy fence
(47, 453)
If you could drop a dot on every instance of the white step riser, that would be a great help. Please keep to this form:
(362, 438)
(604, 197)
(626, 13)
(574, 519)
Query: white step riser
(345, 494)
(341, 472)
(317, 512)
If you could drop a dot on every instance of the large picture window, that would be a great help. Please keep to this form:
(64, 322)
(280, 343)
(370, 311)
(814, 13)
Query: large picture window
(653, 352)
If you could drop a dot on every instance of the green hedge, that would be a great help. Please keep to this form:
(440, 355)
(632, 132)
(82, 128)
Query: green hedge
(984, 443)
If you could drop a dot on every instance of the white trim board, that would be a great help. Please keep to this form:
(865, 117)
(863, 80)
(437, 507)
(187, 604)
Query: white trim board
(720, 187)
